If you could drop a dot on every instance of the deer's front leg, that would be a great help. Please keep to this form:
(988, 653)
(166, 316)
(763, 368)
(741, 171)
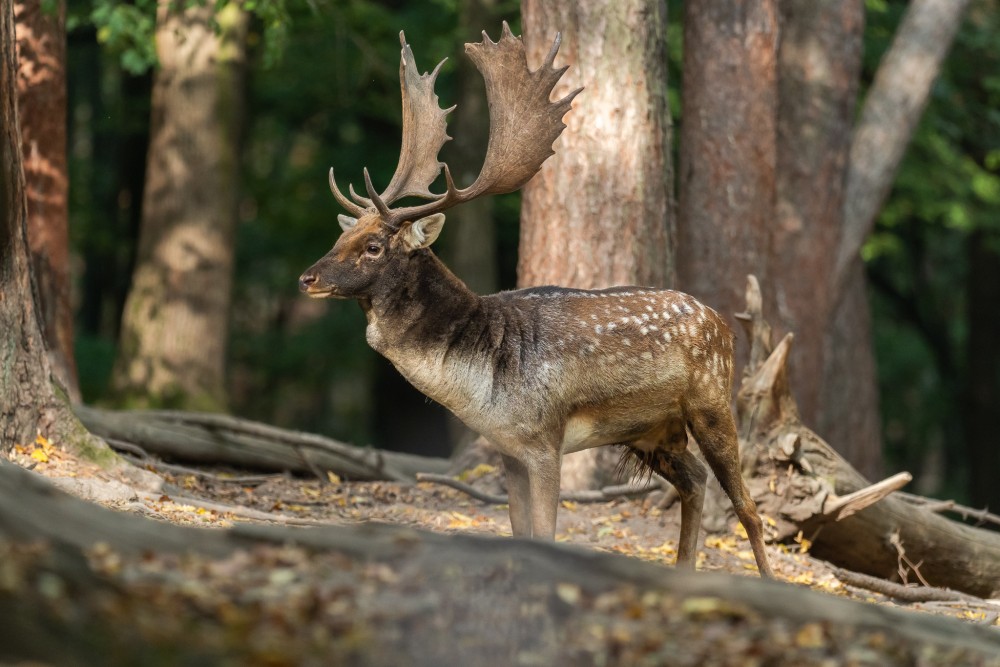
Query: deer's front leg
(518, 496)
(543, 480)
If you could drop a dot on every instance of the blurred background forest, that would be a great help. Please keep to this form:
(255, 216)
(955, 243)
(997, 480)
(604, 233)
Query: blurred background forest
(319, 87)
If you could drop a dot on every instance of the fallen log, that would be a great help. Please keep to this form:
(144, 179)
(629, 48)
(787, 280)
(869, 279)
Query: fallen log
(82, 584)
(226, 440)
(809, 491)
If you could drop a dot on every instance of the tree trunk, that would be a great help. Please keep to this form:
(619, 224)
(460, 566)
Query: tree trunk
(599, 213)
(41, 51)
(28, 404)
(771, 181)
(726, 183)
(848, 416)
(819, 66)
(175, 324)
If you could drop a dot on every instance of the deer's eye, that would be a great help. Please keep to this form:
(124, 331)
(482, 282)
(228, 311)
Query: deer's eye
(373, 250)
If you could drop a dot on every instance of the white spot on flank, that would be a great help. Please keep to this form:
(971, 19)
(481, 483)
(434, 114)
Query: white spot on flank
(612, 326)
(626, 342)
(677, 309)
(666, 336)
(598, 329)
(644, 330)
(649, 308)
(647, 355)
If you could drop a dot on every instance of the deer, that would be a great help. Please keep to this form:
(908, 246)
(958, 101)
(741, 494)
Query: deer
(544, 371)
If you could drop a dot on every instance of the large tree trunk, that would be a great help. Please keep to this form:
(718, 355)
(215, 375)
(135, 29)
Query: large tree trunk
(726, 183)
(28, 404)
(41, 83)
(175, 325)
(848, 416)
(772, 182)
(599, 212)
(819, 66)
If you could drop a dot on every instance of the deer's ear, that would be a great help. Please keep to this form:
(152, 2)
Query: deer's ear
(423, 232)
(346, 222)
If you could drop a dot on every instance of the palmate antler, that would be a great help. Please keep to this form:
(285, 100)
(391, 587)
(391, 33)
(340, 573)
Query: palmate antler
(523, 126)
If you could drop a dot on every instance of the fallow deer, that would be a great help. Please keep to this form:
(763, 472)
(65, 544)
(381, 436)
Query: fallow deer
(545, 371)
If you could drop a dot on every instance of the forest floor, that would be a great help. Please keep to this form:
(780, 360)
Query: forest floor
(636, 528)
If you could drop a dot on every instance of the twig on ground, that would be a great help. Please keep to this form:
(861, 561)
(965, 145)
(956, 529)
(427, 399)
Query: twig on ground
(184, 470)
(595, 496)
(900, 592)
(237, 510)
(129, 447)
(312, 466)
(895, 541)
(934, 505)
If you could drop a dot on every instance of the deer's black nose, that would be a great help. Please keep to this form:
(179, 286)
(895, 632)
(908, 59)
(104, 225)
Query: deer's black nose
(306, 281)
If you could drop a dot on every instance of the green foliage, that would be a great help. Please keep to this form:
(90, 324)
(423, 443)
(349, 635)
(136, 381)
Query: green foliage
(127, 29)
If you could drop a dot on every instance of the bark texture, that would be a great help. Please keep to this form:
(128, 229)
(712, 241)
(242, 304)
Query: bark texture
(28, 404)
(772, 182)
(41, 95)
(599, 212)
(819, 67)
(23, 369)
(175, 324)
(728, 155)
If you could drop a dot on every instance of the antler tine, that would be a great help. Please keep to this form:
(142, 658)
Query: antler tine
(524, 123)
(364, 201)
(348, 205)
(376, 199)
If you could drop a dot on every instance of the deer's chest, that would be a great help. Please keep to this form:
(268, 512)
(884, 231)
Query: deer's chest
(458, 382)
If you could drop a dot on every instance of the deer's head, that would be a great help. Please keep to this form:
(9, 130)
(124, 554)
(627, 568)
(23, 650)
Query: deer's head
(378, 240)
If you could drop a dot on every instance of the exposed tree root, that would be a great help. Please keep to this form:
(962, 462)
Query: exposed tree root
(222, 439)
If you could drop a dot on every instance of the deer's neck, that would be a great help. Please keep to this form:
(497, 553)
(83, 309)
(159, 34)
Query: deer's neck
(420, 313)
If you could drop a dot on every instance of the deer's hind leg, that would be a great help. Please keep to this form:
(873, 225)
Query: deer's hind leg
(715, 431)
(671, 460)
